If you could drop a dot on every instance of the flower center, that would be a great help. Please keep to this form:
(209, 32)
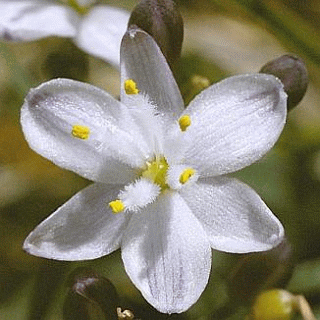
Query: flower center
(144, 190)
(156, 171)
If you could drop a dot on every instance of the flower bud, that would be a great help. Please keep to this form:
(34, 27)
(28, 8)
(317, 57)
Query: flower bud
(259, 271)
(277, 304)
(90, 297)
(273, 304)
(162, 20)
(67, 61)
(293, 73)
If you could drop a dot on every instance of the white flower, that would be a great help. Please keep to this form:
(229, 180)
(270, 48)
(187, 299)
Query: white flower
(97, 30)
(161, 192)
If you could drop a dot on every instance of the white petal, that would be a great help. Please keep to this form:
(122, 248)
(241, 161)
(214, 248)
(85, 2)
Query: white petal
(149, 122)
(114, 145)
(176, 143)
(235, 122)
(100, 32)
(142, 61)
(233, 215)
(166, 254)
(25, 20)
(83, 228)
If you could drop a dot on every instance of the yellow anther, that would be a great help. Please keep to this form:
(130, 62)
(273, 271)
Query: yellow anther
(116, 206)
(81, 132)
(130, 87)
(186, 175)
(184, 122)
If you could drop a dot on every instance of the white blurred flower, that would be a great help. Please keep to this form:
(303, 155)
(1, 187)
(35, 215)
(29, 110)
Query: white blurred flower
(96, 29)
(161, 192)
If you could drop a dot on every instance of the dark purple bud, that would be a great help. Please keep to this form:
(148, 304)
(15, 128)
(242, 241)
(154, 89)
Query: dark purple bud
(67, 61)
(293, 73)
(259, 271)
(163, 21)
(90, 297)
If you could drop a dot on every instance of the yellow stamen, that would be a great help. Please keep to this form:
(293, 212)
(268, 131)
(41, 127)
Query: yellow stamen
(130, 87)
(116, 206)
(184, 122)
(81, 132)
(186, 175)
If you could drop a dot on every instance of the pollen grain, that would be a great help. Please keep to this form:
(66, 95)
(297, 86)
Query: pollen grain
(130, 87)
(80, 132)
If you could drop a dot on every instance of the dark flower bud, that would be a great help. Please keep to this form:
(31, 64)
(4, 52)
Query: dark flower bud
(293, 73)
(259, 271)
(163, 21)
(90, 297)
(67, 61)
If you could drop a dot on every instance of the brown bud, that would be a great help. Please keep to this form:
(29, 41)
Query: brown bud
(163, 21)
(90, 297)
(66, 61)
(259, 271)
(293, 73)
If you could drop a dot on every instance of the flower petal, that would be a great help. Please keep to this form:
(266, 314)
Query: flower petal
(235, 122)
(142, 61)
(25, 20)
(166, 254)
(83, 228)
(100, 32)
(112, 146)
(233, 215)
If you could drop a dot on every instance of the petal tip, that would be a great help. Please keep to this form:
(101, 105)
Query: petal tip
(133, 32)
(29, 248)
(276, 239)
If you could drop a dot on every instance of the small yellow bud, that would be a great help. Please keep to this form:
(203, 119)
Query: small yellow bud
(116, 206)
(184, 122)
(80, 132)
(275, 304)
(130, 87)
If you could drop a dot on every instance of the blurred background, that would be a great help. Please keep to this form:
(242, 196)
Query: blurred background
(222, 38)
